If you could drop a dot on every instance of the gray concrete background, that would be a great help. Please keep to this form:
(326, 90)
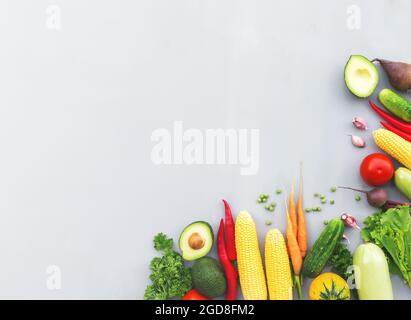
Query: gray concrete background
(78, 106)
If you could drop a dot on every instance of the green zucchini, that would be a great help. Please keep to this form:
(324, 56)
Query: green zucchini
(372, 278)
(396, 104)
(322, 249)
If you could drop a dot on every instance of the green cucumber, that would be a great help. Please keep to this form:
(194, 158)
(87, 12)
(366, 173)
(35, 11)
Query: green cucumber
(396, 104)
(321, 251)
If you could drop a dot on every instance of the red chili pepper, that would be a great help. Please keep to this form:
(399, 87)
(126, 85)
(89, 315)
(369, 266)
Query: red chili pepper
(402, 125)
(398, 132)
(230, 271)
(230, 232)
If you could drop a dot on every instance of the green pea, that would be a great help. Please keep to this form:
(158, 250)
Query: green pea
(333, 189)
(358, 197)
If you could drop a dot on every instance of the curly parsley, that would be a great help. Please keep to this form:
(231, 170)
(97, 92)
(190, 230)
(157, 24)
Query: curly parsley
(170, 278)
(340, 260)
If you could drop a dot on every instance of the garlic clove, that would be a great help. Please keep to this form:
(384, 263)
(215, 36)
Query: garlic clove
(357, 141)
(344, 236)
(350, 221)
(359, 123)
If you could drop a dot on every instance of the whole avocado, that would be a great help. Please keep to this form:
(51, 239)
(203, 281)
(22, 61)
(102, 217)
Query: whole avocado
(208, 277)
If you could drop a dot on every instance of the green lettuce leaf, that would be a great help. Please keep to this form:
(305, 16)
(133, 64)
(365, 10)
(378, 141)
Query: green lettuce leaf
(391, 230)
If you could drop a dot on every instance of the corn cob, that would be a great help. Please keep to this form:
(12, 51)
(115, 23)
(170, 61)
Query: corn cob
(250, 264)
(277, 266)
(394, 145)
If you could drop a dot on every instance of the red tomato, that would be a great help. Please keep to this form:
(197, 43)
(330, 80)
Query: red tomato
(377, 169)
(194, 295)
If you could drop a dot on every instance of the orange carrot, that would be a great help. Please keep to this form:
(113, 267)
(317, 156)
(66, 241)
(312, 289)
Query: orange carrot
(294, 253)
(302, 227)
(292, 212)
(293, 248)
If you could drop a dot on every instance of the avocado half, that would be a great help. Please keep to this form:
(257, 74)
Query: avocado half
(361, 76)
(196, 240)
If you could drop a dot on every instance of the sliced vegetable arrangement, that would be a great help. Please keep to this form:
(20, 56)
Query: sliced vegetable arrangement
(194, 274)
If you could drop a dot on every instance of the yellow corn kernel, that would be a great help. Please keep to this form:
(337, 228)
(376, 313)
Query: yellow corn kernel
(277, 266)
(394, 145)
(250, 264)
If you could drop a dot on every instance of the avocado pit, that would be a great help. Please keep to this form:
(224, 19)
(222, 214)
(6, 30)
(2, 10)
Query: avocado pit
(196, 241)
